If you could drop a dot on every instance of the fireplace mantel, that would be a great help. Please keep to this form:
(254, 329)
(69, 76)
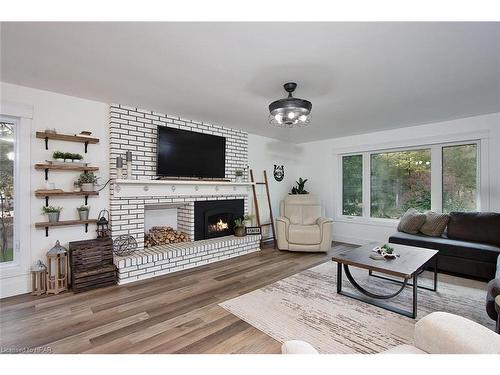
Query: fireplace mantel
(178, 188)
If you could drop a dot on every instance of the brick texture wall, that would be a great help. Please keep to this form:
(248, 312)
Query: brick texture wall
(134, 129)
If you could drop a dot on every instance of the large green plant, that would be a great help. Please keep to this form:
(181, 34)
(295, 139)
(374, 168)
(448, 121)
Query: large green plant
(299, 189)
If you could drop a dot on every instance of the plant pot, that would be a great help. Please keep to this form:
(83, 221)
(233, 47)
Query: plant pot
(60, 160)
(87, 187)
(53, 217)
(68, 160)
(239, 178)
(84, 214)
(240, 231)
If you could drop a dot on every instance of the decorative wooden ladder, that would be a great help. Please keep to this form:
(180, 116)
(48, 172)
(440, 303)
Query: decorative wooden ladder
(256, 203)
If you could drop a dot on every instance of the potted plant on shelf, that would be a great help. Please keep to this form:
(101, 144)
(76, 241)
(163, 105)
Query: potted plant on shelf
(68, 157)
(239, 225)
(239, 175)
(299, 189)
(52, 213)
(83, 212)
(76, 158)
(87, 181)
(58, 156)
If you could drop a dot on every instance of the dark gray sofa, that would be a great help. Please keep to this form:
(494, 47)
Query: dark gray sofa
(470, 246)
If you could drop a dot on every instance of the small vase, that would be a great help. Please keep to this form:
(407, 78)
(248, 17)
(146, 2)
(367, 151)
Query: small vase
(53, 217)
(239, 178)
(240, 231)
(87, 187)
(84, 215)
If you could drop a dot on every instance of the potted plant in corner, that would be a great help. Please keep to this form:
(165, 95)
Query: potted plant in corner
(83, 212)
(239, 225)
(87, 181)
(299, 189)
(52, 213)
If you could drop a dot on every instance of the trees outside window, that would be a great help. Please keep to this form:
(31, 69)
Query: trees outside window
(352, 185)
(395, 181)
(460, 178)
(7, 140)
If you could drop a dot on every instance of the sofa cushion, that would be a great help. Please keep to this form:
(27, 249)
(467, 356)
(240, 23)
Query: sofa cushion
(304, 234)
(449, 247)
(481, 227)
(411, 221)
(435, 224)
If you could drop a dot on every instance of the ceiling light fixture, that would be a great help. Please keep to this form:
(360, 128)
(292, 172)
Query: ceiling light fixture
(290, 112)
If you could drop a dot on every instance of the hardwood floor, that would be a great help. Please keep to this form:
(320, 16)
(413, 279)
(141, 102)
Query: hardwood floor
(176, 313)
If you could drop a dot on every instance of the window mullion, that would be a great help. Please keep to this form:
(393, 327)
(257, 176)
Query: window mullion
(436, 178)
(366, 184)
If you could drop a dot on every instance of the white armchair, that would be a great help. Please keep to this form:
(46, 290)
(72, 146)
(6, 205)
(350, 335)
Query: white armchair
(301, 225)
(436, 333)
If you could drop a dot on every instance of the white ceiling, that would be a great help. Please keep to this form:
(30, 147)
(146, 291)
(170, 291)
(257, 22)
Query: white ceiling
(360, 77)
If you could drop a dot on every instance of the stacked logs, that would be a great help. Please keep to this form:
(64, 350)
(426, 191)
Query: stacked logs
(162, 235)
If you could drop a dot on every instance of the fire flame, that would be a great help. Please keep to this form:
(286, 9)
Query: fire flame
(221, 225)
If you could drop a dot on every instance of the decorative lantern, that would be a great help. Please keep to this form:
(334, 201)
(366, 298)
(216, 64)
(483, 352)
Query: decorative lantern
(103, 225)
(38, 279)
(57, 269)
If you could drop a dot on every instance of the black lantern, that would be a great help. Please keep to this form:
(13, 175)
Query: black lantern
(103, 225)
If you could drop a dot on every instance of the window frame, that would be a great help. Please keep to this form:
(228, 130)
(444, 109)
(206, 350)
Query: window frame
(482, 195)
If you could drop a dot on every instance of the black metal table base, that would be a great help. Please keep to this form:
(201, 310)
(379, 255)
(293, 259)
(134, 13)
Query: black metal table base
(372, 298)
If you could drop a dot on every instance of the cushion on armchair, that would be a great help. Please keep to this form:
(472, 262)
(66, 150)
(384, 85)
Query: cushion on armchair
(304, 234)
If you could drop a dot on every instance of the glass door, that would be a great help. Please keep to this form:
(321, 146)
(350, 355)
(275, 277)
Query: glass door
(7, 168)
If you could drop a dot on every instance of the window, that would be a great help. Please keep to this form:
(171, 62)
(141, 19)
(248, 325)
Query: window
(384, 184)
(460, 178)
(352, 185)
(400, 180)
(7, 143)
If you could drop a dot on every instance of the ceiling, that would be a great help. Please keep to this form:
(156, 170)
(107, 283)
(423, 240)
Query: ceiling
(360, 77)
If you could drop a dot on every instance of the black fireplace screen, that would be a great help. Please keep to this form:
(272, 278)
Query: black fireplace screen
(216, 218)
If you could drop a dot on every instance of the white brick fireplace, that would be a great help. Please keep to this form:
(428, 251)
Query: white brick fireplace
(135, 130)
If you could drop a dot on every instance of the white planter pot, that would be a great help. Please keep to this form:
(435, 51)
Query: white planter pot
(87, 187)
(60, 160)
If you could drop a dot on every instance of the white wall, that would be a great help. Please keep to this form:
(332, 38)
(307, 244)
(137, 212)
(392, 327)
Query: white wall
(67, 115)
(263, 153)
(71, 115)
(320, 165)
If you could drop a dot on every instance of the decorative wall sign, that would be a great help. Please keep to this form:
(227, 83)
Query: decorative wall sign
(279, 172)
(253, 230)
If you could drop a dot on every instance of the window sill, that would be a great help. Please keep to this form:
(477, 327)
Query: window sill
(392, 223)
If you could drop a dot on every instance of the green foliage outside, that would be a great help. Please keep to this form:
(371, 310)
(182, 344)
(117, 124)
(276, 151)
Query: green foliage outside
(460, 178)
(402, 180)
(6, 191)
(352, 185)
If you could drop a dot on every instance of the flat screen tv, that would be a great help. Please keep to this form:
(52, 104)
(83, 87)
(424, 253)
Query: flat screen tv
(183, 153)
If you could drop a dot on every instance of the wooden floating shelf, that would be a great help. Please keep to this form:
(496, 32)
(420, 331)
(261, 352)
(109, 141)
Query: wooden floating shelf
(48, 224)
(64, 223)
(66, 137)
(45, 193)
(61, 167)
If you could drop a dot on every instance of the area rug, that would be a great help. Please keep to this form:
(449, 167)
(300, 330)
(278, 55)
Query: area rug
(306, 307)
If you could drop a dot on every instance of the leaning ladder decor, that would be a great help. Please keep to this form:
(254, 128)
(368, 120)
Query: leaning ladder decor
(256, 204)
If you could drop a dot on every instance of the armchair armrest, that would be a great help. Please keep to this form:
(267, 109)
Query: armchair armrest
(444, 333)
(323, 220)
(284, 220)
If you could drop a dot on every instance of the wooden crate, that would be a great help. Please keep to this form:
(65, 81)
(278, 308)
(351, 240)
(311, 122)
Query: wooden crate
(91, 264)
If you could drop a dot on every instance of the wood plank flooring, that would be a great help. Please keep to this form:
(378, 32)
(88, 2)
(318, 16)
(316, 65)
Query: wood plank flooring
(176, 313)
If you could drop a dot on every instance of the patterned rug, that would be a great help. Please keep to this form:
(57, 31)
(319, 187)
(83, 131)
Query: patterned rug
(306, 307)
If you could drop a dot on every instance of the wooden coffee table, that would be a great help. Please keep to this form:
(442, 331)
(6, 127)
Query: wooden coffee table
(409, 265)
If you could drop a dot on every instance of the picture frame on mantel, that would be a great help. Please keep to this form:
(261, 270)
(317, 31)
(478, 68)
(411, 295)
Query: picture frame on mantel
(253, 230)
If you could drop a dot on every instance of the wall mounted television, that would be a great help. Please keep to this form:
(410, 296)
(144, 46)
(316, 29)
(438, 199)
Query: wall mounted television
(183, 153)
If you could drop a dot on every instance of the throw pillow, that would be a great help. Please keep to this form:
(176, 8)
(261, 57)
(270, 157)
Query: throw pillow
(411, 221)
(435, 224)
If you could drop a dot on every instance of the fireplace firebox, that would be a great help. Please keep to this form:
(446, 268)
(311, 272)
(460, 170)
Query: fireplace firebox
(216, 218)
